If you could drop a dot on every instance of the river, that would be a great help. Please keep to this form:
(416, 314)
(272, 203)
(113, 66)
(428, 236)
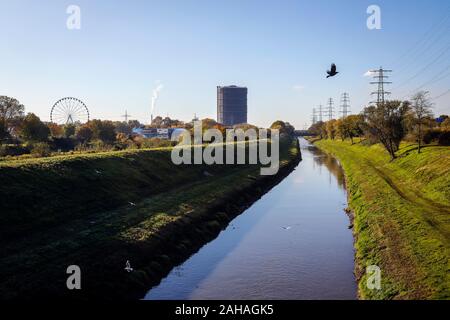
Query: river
(293, 243)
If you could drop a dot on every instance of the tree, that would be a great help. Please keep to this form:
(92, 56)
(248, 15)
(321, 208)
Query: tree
(421, 108)
(339, 128)
(33, 129)
(352, 126)
(56, 130)
(11, 110)
(123, 127)
(4, 134)
(279, 125)
(318, 129)
(134, 123)
(84, 134)
(284, 127)
(446, 123)
(103, 130)
(384, 122)
(331, 129)
(69, 130)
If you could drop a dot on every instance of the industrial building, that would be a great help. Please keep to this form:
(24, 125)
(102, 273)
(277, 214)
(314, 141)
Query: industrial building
(231, 105)
(161, 133)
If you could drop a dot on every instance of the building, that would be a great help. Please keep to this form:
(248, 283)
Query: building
(161, 133)
(231, 105)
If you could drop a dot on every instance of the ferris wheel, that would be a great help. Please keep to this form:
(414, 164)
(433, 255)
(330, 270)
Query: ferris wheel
(69, 110)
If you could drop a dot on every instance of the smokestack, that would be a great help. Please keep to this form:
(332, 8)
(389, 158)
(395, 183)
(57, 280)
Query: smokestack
(155, 95)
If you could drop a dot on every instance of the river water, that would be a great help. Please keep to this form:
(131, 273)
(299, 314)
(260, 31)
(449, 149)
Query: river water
(293, 243)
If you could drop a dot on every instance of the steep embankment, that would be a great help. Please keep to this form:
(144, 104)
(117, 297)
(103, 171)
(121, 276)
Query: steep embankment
(401, 217)
(98, 211)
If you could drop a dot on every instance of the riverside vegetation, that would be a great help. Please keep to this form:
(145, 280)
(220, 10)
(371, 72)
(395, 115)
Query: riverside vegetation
(401, 214)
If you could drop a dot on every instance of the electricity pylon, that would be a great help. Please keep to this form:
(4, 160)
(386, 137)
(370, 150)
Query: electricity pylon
(345, 105)
(380, 76)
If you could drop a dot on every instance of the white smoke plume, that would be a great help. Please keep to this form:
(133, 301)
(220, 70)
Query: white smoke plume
(155, 95)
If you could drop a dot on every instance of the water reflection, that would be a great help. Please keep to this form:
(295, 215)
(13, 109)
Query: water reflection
(331, 163)
(293, 243)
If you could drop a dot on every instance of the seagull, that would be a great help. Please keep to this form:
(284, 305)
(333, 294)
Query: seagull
(207, 174)
(286, 228)
(128, 267)
(98, 172)
(332, 72)
(132, 204)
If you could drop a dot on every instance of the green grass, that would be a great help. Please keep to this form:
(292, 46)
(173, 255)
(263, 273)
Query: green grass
(402, 217)
(58, 212)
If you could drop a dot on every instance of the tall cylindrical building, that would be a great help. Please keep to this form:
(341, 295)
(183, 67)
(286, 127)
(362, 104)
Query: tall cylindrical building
(231, 105)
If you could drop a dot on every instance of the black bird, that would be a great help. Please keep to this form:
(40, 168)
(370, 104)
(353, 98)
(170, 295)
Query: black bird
(332, 72)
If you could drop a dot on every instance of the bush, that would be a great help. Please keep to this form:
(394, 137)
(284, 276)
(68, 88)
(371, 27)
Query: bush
(41, 149)
(431, 135)
(63, 144)
(441, 136)
(444, 138)
(156, 143)
(13, 150)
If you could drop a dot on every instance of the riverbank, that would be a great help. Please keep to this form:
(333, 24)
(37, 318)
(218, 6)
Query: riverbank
(401, 217)
(98, 211)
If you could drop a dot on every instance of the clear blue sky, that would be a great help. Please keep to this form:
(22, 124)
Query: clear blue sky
(280, 50)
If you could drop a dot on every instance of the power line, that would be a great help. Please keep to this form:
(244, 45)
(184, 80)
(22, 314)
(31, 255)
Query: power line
(430, 41)
(438, 77)
(345, 105)
(380, 77)
(441, 95)
(424, 68)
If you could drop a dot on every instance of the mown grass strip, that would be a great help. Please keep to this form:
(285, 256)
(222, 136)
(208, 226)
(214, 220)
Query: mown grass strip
(402, 217)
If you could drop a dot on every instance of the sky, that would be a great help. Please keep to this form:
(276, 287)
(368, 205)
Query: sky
(279, 49)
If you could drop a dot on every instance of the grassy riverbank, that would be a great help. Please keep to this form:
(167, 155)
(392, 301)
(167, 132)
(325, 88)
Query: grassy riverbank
(98, 211)
(401, 217)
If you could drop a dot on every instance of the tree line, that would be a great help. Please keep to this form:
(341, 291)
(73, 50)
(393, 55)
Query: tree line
(389, 123)
(22, 133)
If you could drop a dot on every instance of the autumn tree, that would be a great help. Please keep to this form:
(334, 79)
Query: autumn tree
(316, 129)
(69, 130)
(352, 126)
(84, 134)
(384, 122)
(330, 127)
(123, 127)
(55, 130)
(33, 129)
(103, 130)
(340, 129)
(283, 127)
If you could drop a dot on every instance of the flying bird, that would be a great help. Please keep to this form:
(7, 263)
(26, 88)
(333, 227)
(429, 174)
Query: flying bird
(128, 267)
(332, 72)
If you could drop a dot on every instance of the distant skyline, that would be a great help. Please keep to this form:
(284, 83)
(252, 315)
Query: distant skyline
(279, 50)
